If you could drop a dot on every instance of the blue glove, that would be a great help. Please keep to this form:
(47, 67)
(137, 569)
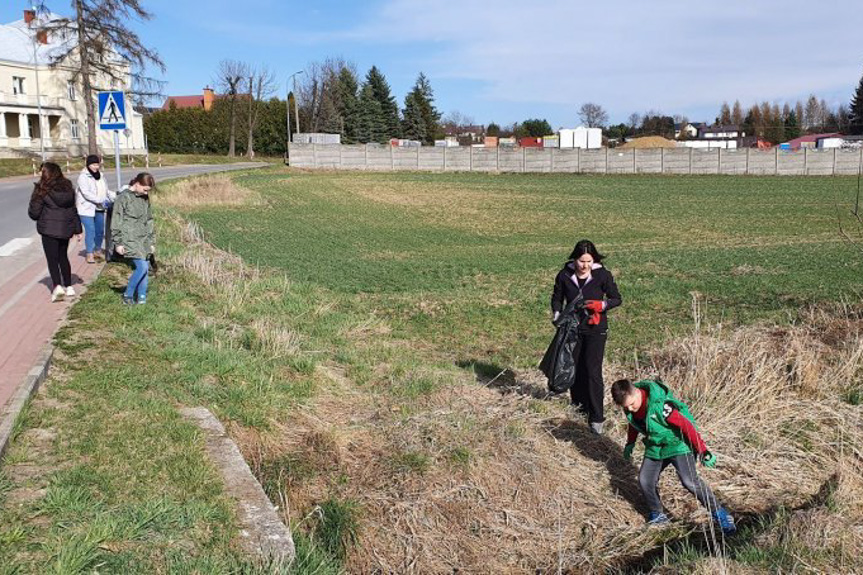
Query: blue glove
(627, 451)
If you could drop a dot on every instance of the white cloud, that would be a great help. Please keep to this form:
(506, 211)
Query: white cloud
(628, 55)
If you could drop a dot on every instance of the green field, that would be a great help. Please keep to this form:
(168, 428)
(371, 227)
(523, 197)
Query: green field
(347, 368)
(467, 261)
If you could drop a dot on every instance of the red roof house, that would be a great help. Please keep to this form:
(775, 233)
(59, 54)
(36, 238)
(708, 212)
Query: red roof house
(204, 101)
(809, 141)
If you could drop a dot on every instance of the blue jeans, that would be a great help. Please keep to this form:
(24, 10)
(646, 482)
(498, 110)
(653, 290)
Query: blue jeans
(139, 280)
(94, 231)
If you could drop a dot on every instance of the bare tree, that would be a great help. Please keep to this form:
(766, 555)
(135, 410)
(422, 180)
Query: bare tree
(229, 79)
(262, 84)
(634, 121)
(320, 99)
(592, 115)
(104, 51)
(454, 122)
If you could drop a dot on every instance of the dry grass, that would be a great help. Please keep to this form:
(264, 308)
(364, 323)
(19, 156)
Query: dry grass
(208, 190)
(507, 473)
(463, 476)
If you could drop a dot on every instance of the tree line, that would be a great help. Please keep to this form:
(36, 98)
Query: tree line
(330, 98)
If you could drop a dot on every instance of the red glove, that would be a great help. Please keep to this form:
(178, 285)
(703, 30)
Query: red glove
(594, 305)
(594, 319)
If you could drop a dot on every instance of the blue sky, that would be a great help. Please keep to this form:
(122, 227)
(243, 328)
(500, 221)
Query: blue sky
(509, 60)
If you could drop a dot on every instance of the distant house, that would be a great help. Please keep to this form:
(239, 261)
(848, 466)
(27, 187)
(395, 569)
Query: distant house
(204, 100)
(808, 141)
(687, 129)
(839, 141)
(720, 132)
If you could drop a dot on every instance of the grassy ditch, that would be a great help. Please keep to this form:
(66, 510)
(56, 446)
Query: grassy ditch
(385, 448)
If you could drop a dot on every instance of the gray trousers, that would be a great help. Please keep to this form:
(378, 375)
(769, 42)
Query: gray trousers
(648, 478)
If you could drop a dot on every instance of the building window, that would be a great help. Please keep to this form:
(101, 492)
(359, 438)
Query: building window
(17, 85)
(72, 94)
(75, 134)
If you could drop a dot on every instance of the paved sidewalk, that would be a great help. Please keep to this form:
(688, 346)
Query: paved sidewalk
(28, 319)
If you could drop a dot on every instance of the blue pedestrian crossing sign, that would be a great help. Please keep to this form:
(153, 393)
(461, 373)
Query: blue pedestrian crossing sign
(112, 110)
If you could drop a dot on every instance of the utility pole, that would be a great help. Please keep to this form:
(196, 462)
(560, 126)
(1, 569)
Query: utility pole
(288, 118)
(296, 109)
(34, 41)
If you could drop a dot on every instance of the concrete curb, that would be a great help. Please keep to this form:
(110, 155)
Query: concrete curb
(25, 391)
(263, 533)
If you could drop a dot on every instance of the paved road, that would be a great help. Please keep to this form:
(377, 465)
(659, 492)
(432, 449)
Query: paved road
(27, 318)
(15, 194)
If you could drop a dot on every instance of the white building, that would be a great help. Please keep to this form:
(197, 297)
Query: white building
(26, 53)
(580, 137)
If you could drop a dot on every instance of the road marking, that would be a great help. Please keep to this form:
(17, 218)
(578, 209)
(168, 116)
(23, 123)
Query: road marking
(13, 246)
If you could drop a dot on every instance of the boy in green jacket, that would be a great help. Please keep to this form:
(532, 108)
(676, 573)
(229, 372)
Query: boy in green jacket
(134, 234)
(670, 438)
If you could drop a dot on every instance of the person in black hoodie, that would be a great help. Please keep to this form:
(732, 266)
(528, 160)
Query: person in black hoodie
(584, 274)
(52, 205)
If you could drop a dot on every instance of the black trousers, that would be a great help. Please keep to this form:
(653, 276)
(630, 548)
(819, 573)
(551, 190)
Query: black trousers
(57, 253)
(588, 392)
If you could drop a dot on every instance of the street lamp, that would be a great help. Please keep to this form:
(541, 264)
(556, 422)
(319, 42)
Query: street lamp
(38, 91)
(296, 111)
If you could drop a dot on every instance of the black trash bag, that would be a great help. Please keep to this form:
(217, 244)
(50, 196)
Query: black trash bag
(558, 364)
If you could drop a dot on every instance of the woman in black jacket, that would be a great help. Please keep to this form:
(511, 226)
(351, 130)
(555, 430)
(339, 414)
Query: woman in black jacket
(52, 205)
(584, 275)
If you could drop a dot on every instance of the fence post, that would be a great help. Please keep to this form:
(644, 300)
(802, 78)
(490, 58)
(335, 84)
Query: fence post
(418, 156)
(634, 163)
(470, 158)
(392, 158)
(746, 169)
(444, 158)
(315, 156)
(805, 161)
(690, 161)
(340, 156)
(775, 161)
(661, 160)
(834, 161)
(497, 158)
(523, 160)
(606, 160)
(578, 160)
(719, 162)
(551, 151)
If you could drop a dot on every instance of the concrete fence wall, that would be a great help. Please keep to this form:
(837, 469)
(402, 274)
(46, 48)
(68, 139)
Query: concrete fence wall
(603, 161)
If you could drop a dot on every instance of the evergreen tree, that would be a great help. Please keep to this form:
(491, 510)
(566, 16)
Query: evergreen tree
(346, 88)
(370, 123)
(492, 130)
(536, 127)
(856, 112)
(792, 127)
(413, 123)
(431, 117)
(389, 109)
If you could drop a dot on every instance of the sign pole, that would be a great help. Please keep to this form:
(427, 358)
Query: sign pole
(117, 158)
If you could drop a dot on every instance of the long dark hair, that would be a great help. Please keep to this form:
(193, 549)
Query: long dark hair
(51, 174)
(586, 247)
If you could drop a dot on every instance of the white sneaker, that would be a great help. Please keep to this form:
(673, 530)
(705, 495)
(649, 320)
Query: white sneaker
(70, 292)
(58, 294)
